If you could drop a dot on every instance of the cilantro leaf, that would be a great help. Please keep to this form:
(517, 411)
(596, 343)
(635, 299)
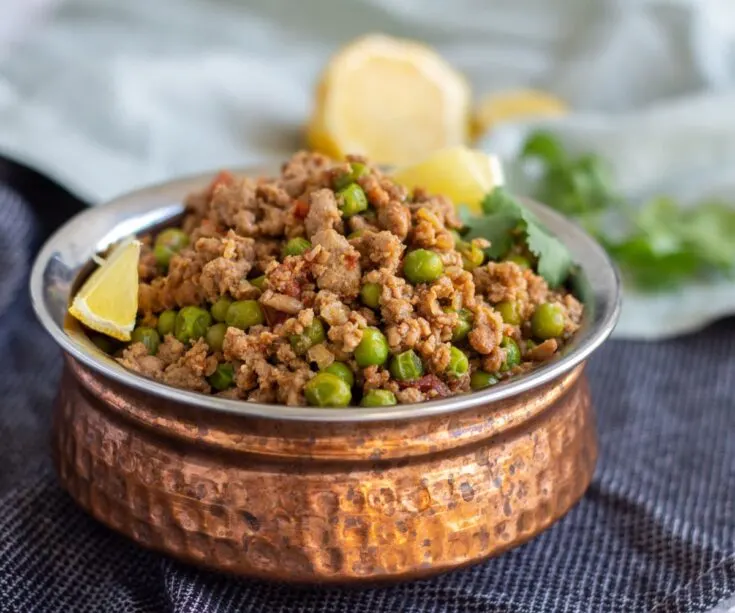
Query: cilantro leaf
(545, 147)
(666, 245)
(554, 259)
(497, 228)
(507, 220)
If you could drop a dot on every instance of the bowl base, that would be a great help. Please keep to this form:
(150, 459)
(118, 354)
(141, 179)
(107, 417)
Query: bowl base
(316, 521)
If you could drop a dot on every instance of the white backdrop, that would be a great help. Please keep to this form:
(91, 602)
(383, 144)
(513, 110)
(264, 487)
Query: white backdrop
(107, 96)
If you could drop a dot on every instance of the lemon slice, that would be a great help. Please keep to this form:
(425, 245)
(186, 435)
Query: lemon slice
(389, 99)
(108, 300)
(464, 175)
(508, 106)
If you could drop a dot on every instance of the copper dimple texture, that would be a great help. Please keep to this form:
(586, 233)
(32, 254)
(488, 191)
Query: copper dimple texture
(319, 502)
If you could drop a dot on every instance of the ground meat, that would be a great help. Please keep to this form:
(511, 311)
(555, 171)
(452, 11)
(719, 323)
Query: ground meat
(237, 228)
(136, 358)
(228, 200)
(288, 277)
(429, 232)
(331, 309)
(441, 206)
(323, 212)
(544, 351)
(439, 359)
(281, 302)
(347, 336)
(337, 267)
(190, 371)
(573, 311)
(304, 170)
(272, 194)
(392, 213)
(321, 355)
(380, 250)
(375, 377)
(170, 350)
(487, 331)
(409, 394)
(500, 281)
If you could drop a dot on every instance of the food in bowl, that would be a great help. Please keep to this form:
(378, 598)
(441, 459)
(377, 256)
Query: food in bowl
(333, 286)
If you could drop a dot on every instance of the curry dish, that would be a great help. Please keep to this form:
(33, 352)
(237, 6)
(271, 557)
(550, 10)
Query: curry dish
(331, 285)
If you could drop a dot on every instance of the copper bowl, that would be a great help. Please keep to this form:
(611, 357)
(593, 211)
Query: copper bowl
(316, 495)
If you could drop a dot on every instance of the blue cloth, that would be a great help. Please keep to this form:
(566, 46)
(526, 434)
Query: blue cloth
(654, 533)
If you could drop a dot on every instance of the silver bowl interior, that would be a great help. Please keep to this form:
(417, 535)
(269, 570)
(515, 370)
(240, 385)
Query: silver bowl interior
(66, 257)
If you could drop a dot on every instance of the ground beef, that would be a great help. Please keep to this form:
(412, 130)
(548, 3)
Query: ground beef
(337, 266)
(544, 351)
(237, 228)
(380, 250)
(136, 358)
(323, 213)
(190, 371)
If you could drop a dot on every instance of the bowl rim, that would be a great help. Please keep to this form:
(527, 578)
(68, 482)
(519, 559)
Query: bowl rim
(148, 206)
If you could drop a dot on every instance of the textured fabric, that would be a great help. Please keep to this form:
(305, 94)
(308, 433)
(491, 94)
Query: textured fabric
(655, 532)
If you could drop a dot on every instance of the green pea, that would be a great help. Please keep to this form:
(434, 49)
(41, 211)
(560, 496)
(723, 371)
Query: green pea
(219, 309)
(519, 259)
(354, 200)
(406, 366)
(370, 295)
(481, 379)
(327, 390)
(463, 326)
(378, 398)
(458, 363)
(313, 334)
(258, 282)
(296, 246)
(472, 256)
(244, 314)
(163, 255)
(357, 170)
(148, 336)
(343, 371)
(509, 312)
(191, 323)
(458, 241)
(166, 322)
(547, 321)
(355, 234)
(173, 238)
(422, 266)
(373, 348)
(168, 242)
(105, 343)
(215, 336)
(222, 378)
(512, 354)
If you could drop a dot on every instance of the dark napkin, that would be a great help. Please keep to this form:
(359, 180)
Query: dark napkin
(654, 533)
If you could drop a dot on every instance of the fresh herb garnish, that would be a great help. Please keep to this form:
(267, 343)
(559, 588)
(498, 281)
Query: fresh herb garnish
(665, 245)
(506, 221)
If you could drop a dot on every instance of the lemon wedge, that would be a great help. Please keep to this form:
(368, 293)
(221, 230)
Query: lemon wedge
(464, 175)
(508, 106)
(108, 300)
(389, 99)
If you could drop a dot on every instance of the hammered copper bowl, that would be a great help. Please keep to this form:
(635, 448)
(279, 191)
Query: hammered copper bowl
(315, 495)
